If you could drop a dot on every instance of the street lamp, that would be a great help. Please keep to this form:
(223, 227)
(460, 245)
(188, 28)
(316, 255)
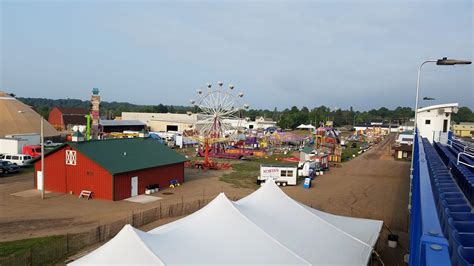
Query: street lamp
(42, 151)
(451, 62)
(440, 62)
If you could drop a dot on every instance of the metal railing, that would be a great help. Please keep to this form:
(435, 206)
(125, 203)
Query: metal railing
(461, 162)
(466, 147)
(428, 246)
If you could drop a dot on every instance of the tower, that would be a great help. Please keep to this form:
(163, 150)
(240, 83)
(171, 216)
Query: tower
(95, 113)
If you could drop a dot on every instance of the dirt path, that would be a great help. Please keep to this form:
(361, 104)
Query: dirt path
(374, 185)
(25, 217)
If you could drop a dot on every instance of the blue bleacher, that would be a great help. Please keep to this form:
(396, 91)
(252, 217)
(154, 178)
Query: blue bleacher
(463, 175)
(453, 194)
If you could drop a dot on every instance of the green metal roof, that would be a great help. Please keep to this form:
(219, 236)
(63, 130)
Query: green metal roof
(125, 155)
(307, 150)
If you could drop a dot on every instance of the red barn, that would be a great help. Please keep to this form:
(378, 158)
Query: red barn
(113, 169)
(64, 118)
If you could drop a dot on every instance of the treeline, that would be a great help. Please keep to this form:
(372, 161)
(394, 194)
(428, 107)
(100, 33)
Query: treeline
(107, 109)
(291, 118)
(287, 118)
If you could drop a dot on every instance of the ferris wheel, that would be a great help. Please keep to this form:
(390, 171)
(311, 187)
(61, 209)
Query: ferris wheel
(219, 112)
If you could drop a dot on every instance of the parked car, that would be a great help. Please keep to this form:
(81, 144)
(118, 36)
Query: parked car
(8, 167)
(18, 159)
(50, 143)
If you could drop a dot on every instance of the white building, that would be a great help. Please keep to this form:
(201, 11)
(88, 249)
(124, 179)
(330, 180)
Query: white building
(433, 122)
(407, 126)
(164, 122)
(259, 123)
(405, 137)
(262, 123)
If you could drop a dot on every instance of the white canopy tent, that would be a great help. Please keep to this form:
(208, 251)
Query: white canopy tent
(303, 126)
(266, 227)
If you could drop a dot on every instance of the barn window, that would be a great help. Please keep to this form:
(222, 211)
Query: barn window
(71, 157)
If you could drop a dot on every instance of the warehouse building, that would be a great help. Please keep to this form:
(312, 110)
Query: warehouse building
(164, 122)
(119, 126)
(463, 130)
(19, 118)
(112, 169)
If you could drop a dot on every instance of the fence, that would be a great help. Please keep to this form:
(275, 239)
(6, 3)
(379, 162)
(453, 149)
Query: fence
(62, 246)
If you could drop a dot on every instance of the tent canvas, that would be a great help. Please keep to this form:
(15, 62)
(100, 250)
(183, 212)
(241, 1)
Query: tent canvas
(303, 126)
(266, 227)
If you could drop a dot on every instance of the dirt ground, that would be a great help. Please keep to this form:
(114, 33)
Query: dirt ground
(373, 185)
(25, 217)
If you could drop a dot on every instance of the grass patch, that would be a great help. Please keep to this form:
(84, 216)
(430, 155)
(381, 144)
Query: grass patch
(349, 151)
(245, 173)
(20, 246)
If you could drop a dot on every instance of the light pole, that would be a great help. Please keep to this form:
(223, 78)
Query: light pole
(440, 62)
(42, 152)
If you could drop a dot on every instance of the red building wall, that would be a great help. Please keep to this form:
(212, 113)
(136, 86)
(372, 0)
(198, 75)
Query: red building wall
(56, 118)
(85, 175)
(158, 175)
(55, 169)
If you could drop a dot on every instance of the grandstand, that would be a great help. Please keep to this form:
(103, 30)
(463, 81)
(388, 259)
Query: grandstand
(442, 197)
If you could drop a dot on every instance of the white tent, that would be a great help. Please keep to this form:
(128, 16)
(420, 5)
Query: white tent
(303, 126)
(266, 227)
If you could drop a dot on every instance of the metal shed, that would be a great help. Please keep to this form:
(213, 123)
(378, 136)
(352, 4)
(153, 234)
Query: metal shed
(112, 169)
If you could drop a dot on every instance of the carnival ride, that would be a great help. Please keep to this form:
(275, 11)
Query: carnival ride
(219, 121)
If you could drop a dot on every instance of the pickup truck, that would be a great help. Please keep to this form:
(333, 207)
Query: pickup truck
(8, 167)
(50, 143)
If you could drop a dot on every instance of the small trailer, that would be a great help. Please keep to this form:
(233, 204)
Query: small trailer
(283, 175)
(12, 146)
(31, 138)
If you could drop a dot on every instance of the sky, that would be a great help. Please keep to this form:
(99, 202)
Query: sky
(280, 54)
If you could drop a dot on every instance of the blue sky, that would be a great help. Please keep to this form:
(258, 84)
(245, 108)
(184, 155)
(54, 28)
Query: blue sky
(363, 54)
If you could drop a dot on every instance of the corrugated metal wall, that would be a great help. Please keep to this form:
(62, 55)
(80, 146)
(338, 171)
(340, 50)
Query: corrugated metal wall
(55, 169)
(87, 175)
(158, 175)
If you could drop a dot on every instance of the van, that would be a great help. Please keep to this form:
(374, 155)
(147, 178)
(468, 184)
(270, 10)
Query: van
(18, 159)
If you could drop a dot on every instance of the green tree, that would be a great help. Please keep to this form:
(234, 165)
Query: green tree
(464, 114)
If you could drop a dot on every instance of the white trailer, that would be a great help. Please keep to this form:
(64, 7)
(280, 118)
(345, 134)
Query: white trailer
(31, 138)
(12, 146)
(282, 174)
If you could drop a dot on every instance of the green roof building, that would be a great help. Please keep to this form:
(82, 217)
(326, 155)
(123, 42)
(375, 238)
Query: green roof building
(112, 169)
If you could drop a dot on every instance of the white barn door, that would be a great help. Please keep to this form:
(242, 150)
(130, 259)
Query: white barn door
(134, 186)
